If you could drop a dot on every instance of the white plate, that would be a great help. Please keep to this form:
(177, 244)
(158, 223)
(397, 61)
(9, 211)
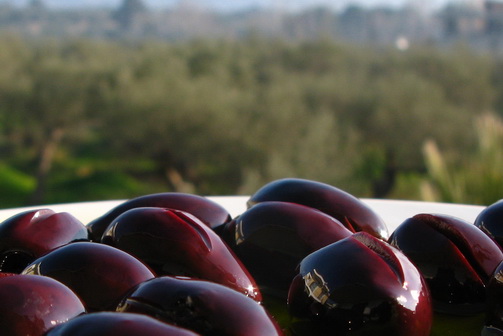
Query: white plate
(393, 212)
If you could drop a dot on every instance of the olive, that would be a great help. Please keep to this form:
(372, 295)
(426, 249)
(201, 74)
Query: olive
(99, 274)
(203, 306)
(271, 238)
(206, 210)
(490, 221)
(116, 324)
(349, 210)
(456, 259)
(32, 304)
(30, 234)
(359, 285)
(174, 242)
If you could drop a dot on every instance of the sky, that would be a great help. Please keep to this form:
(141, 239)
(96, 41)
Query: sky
(243, 4)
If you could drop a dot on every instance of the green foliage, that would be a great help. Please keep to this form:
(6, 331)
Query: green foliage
(225, 117)
(97, 185)
(476, 178)
(15, 187)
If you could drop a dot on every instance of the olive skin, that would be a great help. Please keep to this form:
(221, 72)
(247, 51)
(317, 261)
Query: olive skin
(490, 221)
(491, 331)
(205, 307)
(349, 210)
(30, 234)
(32, 304)
(117, 324)
(174, 242)
(271, 238)
(99, 274)
(210, 213)
(494, 308)
(359, 285)
(456, 259)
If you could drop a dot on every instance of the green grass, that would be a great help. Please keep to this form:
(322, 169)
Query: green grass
(15, 187)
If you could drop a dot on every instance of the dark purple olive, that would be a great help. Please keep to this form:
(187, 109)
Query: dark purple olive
(490, 221)
(30, 234)
(206, 210)
(349, 210)
(99, 274)
(205, 307)
(494, 308)
(491, 331)
(116, 324)
(359, 285)
(174, 242)
(455, 258)
(271, 238)
(30, 305)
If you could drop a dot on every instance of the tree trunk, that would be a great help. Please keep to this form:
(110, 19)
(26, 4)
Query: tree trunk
(46, 158)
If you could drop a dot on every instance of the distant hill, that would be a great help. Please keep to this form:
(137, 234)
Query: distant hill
(227, 5)
(88, 3)
(216, 4)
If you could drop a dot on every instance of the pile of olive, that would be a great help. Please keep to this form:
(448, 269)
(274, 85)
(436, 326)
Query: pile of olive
(305, 258)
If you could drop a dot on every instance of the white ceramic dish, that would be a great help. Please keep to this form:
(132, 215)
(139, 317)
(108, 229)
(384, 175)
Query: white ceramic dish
(393, 212)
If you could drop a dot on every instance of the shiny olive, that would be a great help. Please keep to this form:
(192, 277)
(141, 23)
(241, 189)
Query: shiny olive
(491, 331)
(359, 285)
(117, 324)
(30, 234)
(174, 242)
(30, 305)
(349, 210)
(494, 308)
(490, 221)
(206, 210)
(456, 259)
(99, 274)
(271, 238)
(205, 307)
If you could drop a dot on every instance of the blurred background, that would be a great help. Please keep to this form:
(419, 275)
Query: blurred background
(384, 99)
